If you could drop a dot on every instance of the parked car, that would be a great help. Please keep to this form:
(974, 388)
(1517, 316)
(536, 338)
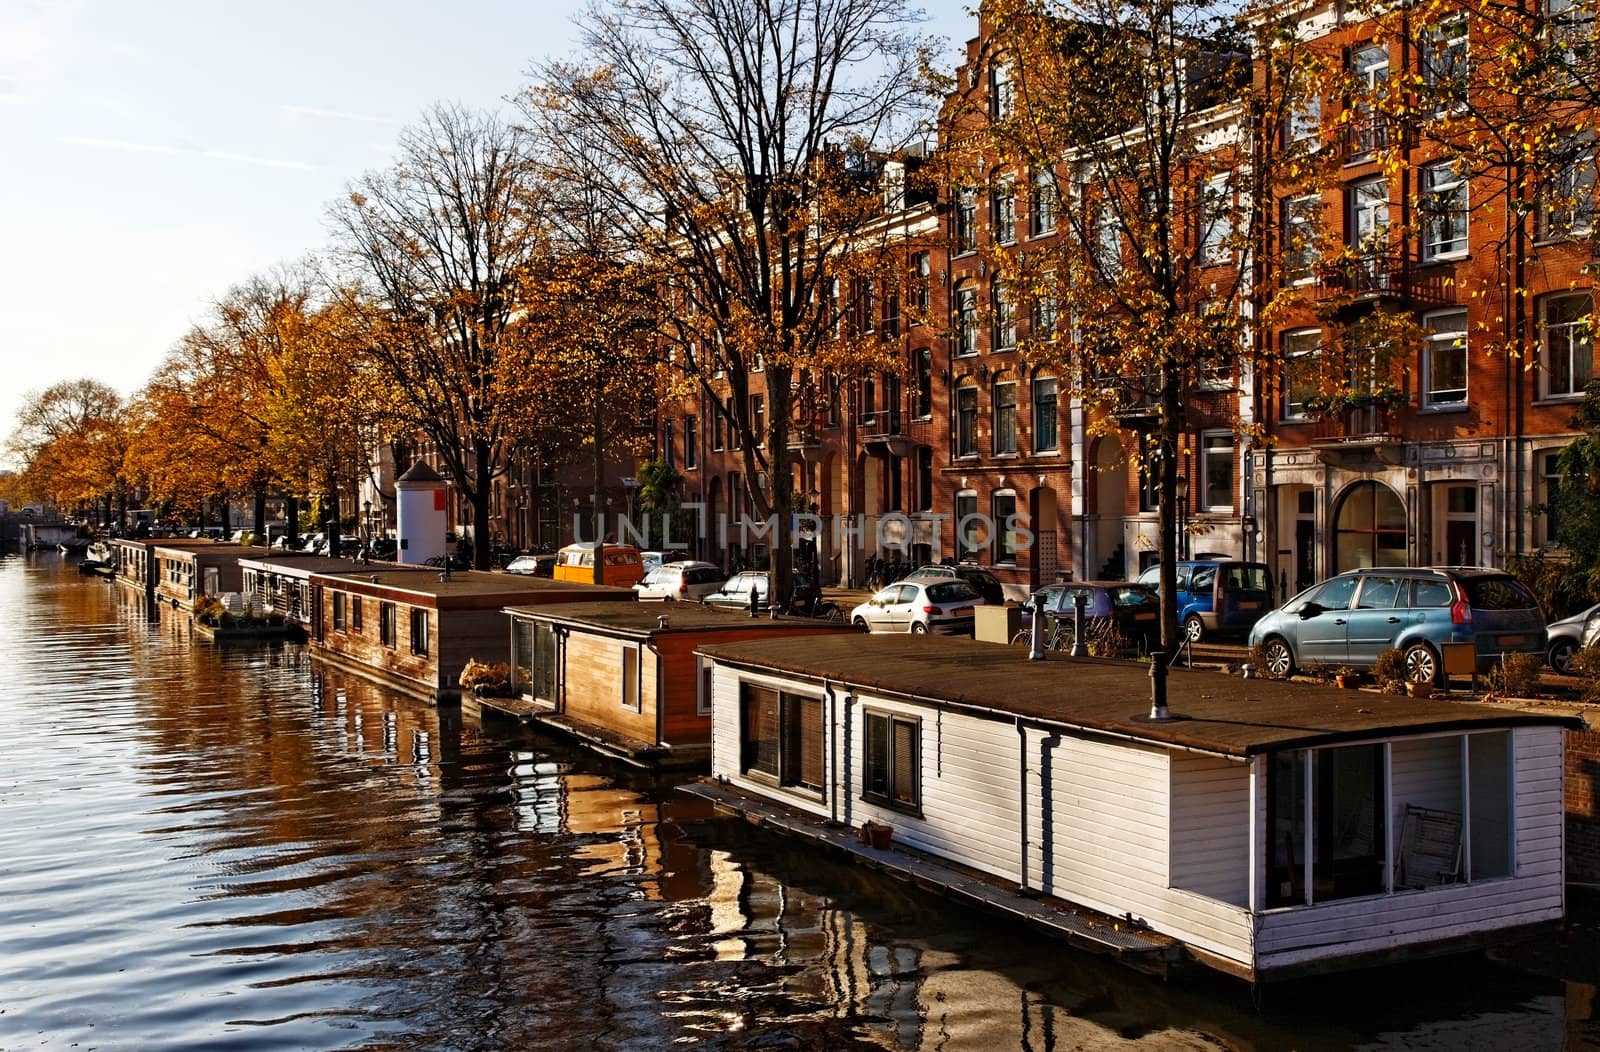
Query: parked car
(1218, 597)
(735, 593)
(385, 548)
(1131, 608)
(1564, 638)
(942, 605)
(532, 565)
(653, 559)
(687, 580)
(1352, 618)
(978, 579)
(455, 560)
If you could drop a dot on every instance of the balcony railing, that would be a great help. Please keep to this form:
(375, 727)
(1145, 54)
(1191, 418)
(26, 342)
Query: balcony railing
(882, 423)
(1375, 276)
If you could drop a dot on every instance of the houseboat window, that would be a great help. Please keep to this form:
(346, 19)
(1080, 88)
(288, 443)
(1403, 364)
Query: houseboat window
(781, 737)
(355, 613)
(702, 700)
(338, 611)
(1347, 833)
(630, 679)
(419, 632)
(386, 631)
(1489, 773)
(891, 761)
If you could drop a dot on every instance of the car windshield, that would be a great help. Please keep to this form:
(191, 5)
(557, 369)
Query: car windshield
(950, 592)
(1128, 595)
(1499, 593)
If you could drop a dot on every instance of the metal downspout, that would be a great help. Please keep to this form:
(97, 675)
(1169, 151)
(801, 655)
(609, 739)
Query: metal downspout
(1022, 805)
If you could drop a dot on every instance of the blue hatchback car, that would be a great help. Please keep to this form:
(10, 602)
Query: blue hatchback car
(1352, 618)
(1217, 597)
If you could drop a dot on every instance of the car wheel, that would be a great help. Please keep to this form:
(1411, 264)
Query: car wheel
(861, 624)
(1194, 628)
(1560, 655)
(918, 628)
(1279, 658)
(1421, 663)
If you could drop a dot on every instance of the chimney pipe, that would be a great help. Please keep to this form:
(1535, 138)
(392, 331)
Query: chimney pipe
(661, 621)
(1158, 685)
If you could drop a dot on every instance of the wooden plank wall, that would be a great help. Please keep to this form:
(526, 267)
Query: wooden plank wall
(1209, 841)
(592, 689)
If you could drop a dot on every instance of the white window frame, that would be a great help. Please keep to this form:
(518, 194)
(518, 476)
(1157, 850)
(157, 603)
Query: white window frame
(1299, 218)
(1455, 339)
(1227, 449)
(995, 406)
(1444, 208)
(1288, 338)
(703, 687)
(963, 452)
(1216, 218)
(1003, 210)
(1042, 202)
(632, 692)
(1003, 312)
(1573, 332)
(966, 321)
(1572, 213)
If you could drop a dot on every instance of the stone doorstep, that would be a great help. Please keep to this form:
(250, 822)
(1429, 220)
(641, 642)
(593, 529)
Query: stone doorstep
(1094, 932)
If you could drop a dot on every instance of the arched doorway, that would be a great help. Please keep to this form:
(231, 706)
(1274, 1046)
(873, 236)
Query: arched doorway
(1109, 493)
(1369, 528)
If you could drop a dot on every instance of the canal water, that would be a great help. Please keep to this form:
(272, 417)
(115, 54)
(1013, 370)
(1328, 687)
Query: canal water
(234, 848)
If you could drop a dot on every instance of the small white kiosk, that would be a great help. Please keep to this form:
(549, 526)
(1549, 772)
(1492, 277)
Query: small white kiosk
(421, 518)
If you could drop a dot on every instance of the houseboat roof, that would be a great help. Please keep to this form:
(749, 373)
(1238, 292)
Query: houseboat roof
(220, 549)
(1210, 712)
(301, 564)
(644, 619)
(465, 587)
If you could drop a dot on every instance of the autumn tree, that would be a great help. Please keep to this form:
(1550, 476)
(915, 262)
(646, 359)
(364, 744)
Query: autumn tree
(1152, 128)
(431, 254)
(70, 439)
(738, 147)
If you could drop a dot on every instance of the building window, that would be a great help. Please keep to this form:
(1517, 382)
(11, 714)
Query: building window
(386, 624)
(1550, 482)
(758, 421)
(1216, 217)
(922, 295)
(630, 679)
(1149, 474)
(1369, 216)
(1300, 236)
(1042, 204)
(1444, 359)
(1002, 93)
(924, 478)
(966, 320)
(1005, 316)
(967, 422)
(355, 614)
(1567, 343)
(1304, 122)
(922, 366)
(338, 612)
(718, 429)
(1444, 211)
(691, 439)
(1444, 62)
(1003, 211)
(1216, 470)
(419, 632)
(704, 680)
(1566, 209)
(734, 438)
(1302, 370)
(1004, 506)
(668, 453)
(892, 762)
(781, 737)
(1043, 322)
(1005, 418)
(1107, 242)
(1046, 424)
(891, 313)
(966, 220)
(867, 308)
(1370, 68)
(969, 528)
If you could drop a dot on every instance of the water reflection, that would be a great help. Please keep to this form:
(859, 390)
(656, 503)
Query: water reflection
(237, 847)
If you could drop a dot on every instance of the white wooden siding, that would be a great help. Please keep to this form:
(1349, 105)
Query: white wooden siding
(1425, 772)
(1210, 835)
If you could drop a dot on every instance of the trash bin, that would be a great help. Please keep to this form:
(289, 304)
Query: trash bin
(996, 624)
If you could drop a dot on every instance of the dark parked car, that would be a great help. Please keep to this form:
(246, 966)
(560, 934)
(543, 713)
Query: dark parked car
(980, 580)
(532, 565)
(1352, 618)
(1134, 610)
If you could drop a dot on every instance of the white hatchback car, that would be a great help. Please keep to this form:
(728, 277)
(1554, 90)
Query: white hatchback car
(685, 580)
(940, 605)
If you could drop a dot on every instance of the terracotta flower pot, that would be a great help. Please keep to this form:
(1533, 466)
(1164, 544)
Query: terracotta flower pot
(1419, 690)
(877, 835)
(1348, 682)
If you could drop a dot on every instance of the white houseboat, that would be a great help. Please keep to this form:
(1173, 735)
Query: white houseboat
(1272, 829)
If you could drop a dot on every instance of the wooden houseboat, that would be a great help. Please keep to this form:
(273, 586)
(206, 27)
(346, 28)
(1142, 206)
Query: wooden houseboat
(136, 563)
(280, 583)
(625, 677)
(1271, 829)
(184, 572)
(415, 628)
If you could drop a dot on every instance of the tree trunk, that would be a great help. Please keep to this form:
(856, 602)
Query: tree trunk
(780, 584)
(292, 515)
(483, 470)
(1167, 443)
(330, 512)
(260, 511)
(599, 483)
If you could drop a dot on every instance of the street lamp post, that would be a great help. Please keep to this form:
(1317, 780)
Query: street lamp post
(1181, 491)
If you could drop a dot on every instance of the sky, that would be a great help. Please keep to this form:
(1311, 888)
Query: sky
(158, 152)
